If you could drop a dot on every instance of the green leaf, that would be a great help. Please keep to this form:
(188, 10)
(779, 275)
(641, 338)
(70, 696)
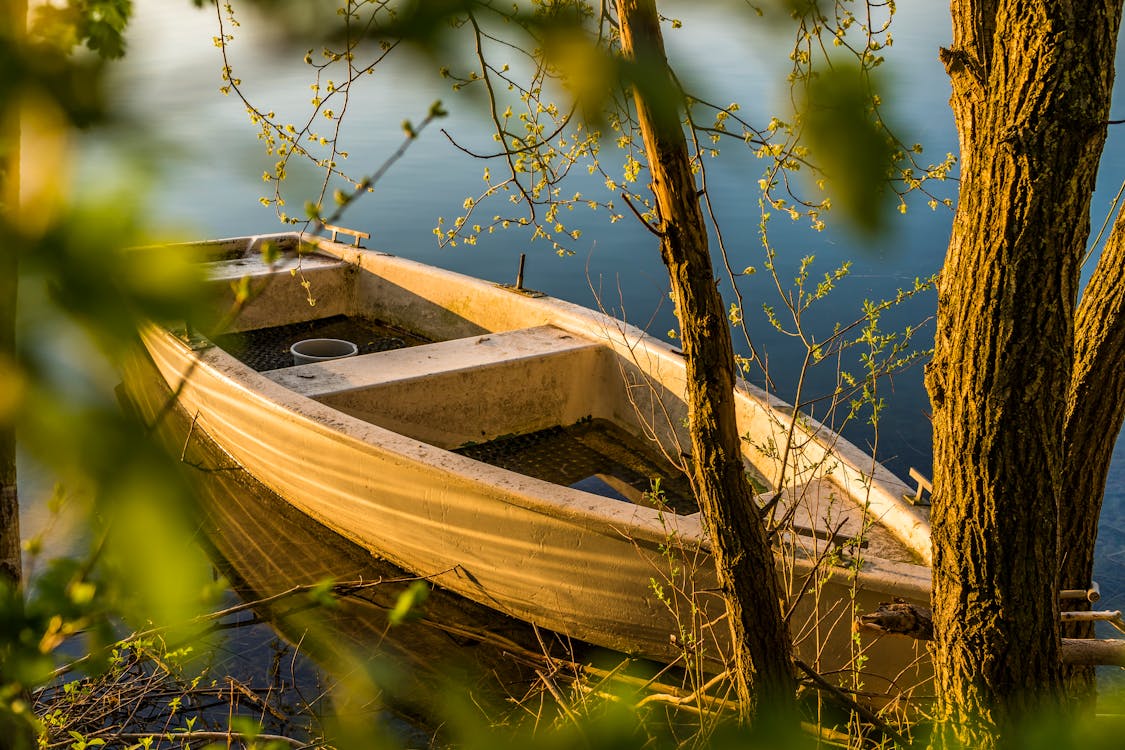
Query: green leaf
(247, 727)
(849, 143)
(97, 24)
(241, 289)
(322, 593)
(271, 253)
(82, 592)
(408, 606)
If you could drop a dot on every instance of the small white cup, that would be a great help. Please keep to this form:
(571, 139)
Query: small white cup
(321, 350)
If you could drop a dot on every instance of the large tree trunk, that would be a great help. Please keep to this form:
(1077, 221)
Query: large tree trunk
(1094, 417)
(1031, 90)
(14, 18)
(764, 671)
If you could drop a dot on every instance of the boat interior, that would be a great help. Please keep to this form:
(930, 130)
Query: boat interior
(464, 372)
(538, 400)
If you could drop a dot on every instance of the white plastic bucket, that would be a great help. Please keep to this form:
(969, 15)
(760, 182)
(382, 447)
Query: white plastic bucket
(320, 350)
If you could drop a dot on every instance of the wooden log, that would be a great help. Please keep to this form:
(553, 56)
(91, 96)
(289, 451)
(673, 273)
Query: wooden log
(912, 621)
(1104, 615)
(1092, 594)
(1093, 652)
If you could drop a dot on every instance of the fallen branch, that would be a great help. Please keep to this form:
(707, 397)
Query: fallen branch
(912, 621)
(683, 700)
(846, 700)
(219, 736)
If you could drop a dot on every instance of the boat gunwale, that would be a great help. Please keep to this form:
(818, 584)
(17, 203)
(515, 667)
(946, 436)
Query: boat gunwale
(882, 493)
(638, 524)
(611, 517)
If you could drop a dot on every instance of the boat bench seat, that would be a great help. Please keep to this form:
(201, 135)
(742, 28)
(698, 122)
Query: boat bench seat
(323, 379)
(276, 298)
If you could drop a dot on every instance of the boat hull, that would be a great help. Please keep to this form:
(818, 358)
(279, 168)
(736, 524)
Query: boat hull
(631, 578)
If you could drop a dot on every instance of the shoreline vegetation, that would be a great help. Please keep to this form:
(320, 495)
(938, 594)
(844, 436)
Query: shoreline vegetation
(153, 694)
(374, 656)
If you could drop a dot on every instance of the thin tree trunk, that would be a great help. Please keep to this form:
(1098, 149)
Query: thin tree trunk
(14, 18)
(1031, 90)
(741, 550)
(1095, 415)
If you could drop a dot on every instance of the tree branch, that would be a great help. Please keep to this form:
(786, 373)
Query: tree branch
(912, 621)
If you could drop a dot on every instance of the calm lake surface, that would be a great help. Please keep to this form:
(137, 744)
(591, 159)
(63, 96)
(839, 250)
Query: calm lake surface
(207, 166)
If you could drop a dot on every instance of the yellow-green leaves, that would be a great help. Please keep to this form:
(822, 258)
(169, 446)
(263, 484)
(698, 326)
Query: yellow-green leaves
(271, 253)
(586, 70)
(240, 290)
(323, 594)
(158, 571)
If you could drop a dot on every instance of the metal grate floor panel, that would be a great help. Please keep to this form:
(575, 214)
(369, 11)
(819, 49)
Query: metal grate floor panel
(595, 456)
(268, 348)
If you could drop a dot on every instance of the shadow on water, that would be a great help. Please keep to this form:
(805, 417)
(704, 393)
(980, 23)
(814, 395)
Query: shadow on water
(450, 649)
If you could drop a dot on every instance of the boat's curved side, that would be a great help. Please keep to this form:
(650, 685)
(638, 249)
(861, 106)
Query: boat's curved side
(763, 418)
(564, 559)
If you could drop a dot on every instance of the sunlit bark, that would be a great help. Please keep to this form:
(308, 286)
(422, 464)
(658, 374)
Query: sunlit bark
(1095, 415)
(742, 553)
(1031, 91)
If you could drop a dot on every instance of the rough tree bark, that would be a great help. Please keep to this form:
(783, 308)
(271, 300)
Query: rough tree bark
(745, 563)
(1031, 90)
(14, 19)
(1095, 413)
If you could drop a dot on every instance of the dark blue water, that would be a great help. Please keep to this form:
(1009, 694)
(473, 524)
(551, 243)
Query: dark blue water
(209, 166)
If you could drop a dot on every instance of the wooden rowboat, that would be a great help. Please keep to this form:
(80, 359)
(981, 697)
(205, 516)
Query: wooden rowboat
(519, 450)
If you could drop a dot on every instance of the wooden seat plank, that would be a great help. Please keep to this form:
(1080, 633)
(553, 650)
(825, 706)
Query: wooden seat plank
(335, 376)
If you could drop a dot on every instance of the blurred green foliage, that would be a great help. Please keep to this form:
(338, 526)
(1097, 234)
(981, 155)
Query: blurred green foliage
(99, 25)
(849, 142)
(82, 296)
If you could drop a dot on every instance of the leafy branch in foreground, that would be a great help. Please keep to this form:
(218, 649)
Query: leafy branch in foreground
(330, 101)
(525, 64)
